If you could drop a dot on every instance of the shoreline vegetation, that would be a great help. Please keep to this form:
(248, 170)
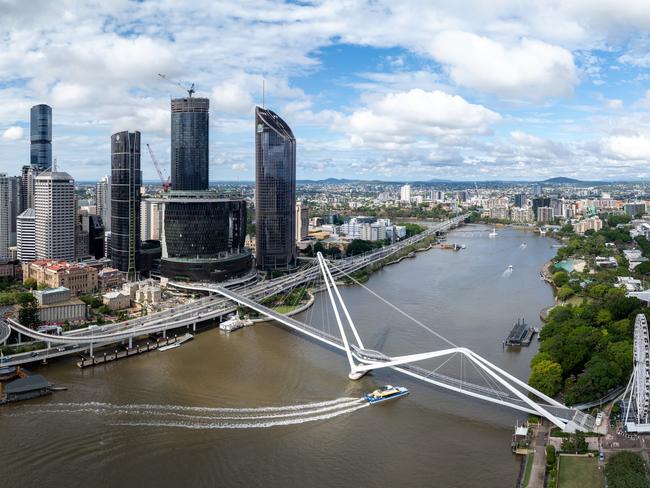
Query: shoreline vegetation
(586, 341)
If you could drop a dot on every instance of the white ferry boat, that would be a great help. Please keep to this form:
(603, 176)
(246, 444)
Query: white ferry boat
(386, 392)
(235, 323)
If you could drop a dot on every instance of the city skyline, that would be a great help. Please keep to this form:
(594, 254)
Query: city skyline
(439, 91)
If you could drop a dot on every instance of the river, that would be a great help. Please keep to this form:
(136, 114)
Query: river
(263, 407)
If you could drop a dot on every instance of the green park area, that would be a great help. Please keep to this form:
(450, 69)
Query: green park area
(580, 472)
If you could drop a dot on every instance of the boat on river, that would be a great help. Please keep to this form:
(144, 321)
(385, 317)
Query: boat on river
(386, 392)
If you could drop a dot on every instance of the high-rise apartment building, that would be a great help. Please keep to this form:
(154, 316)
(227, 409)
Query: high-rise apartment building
(41, 137)
(302, 221)
(4, 216)
(126, 180)
(150, 220)
(521, 200)
(190, 140)
(405, 193)
(103, 200)
(14, 185)
(545, 214)
(54, 206)
(275, 191)
(26, 235)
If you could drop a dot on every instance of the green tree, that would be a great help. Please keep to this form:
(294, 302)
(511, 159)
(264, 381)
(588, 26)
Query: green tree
(560, 278)
(626, 470)
(565, 292)
(30, 283)
(358, 246)
(28, 314)
(550, 455)
(546, 376)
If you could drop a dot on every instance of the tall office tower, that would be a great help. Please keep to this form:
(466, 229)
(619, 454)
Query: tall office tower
(41, 137)
(95, 236)
(26, 236)
(81, 236)
(190, 139)
(27, 187)
(150, 220)
(302, 221)
(107, 244)
(103, 200)
(54, 205)
(405, 193)
(14, 184)
(521, 200)
(126, 181)
(4, 216)
(275, 191)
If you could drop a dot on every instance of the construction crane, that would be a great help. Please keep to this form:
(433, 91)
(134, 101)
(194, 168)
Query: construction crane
(189, 90)
(166, 182)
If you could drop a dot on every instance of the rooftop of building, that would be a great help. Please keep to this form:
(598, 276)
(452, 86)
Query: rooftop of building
(115, 294)
(59, 266)
(50, 291)
(30, 213)
(54, 175)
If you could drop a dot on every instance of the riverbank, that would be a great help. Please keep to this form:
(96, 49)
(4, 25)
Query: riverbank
(363, 274)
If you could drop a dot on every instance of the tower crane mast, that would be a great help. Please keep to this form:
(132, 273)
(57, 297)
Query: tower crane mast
(190, 91)
(166, 182)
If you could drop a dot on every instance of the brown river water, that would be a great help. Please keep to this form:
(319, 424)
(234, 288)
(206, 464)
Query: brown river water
(264, 407)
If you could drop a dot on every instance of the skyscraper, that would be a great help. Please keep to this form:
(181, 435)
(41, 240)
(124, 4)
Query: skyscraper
(150, 220)
(302, 221)
(126, 180)
(41, 137)
(26, 235)
(190, 139)
(275, 191)
(14, 185)
(103, 200)
(405, 193)
(54, 207)
(96, 236)
(4, 216)
(27, 187)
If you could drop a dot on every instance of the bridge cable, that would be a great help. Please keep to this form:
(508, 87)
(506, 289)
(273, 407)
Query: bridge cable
(405, 314)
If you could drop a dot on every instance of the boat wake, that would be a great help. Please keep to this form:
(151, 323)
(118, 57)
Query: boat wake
(188, 417)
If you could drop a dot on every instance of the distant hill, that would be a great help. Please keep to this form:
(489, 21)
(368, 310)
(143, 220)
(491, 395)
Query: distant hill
(562, 180)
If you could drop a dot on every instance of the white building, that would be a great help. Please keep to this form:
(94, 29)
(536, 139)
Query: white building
(150, 220)
(55, 215)
(373, 232)
(302, 221)
(26, 235)
(405, 193)
(593, 223)
(4, 216)
(103, 200)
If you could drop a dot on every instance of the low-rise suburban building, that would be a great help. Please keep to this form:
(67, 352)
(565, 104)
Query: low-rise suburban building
(116, 300)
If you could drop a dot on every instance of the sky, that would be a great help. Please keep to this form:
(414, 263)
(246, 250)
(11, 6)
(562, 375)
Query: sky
(378, 89)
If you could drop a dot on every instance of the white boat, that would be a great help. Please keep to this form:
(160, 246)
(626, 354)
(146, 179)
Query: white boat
(510, 267)
(235, 323)
(169, 346)
(493, 234)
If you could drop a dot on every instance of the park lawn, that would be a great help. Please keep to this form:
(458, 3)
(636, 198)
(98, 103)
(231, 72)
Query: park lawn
(285, 309)
(580, 472)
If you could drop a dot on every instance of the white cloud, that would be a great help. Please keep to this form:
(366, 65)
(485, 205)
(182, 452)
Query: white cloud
(231, 98)
(13, 133)
(626, 148)
(400, 118)
(531, 69)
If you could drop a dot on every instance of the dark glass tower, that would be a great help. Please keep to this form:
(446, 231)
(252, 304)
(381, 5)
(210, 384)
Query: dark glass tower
(41, 137)
(190, 139)
(126, 180)
(275, 191)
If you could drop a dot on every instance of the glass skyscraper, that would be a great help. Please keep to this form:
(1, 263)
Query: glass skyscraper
(126, 180)
(275, 191)
(190, 139)
(41, 137)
